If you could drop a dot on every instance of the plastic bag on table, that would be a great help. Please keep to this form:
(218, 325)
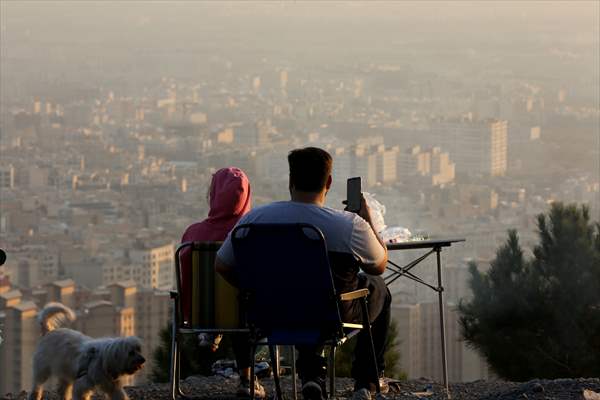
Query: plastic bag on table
(377, 212)
(396, 234)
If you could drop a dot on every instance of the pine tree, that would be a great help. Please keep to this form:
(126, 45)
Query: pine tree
(540, 317)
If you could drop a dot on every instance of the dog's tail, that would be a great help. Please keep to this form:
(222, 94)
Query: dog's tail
(55, 315)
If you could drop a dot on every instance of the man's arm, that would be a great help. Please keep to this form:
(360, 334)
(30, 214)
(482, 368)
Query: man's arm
(226, 271)
(379, 268)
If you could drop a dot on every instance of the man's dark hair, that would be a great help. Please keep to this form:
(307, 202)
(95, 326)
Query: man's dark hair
(309, 169)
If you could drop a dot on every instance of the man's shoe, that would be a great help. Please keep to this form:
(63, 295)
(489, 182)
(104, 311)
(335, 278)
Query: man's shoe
(244, 389)
(370, 392)
(361, 394)
(383, 385)
(312, 390)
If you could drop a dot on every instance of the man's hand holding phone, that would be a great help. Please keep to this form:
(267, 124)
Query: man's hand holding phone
(354, 195)
(355, 201)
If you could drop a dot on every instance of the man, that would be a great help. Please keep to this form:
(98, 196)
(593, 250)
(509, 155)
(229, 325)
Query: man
(352, 243)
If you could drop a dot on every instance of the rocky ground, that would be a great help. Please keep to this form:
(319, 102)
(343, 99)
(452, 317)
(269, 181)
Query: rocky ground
(218, 388)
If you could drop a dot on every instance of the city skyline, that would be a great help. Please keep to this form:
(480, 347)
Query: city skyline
(460, 119)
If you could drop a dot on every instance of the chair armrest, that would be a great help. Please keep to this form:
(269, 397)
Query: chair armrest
(173, 294)
(355, 294)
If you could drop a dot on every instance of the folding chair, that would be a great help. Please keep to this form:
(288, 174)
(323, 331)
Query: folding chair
(287, 291)
(203, 303)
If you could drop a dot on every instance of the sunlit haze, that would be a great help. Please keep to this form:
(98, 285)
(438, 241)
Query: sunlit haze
(463, 118)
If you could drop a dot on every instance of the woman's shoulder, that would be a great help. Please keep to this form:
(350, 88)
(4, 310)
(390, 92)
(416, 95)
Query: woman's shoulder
(193, 232)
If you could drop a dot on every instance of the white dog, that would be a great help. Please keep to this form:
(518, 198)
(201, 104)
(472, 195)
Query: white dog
(80, 362)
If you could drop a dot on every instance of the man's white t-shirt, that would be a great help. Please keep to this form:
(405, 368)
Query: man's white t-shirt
(344, 232)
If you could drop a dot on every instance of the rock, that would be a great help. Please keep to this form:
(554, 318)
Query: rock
(193, 380)
(537, 388)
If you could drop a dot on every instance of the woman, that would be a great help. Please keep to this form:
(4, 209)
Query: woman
(229, 200)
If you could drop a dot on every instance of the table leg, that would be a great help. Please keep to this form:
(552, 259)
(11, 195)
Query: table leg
(294, 385)
(442, 322)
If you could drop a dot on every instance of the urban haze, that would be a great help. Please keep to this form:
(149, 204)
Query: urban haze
(464, 119)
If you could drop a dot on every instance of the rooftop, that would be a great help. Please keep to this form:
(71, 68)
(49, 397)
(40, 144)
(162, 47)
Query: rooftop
(63, 283)
(11, 294)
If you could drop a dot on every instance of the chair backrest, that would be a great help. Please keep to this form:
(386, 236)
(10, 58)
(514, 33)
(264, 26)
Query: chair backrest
(286, 281)
(206, 300)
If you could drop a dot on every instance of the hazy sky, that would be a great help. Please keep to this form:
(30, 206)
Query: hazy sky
(62, 35)
(56, 16)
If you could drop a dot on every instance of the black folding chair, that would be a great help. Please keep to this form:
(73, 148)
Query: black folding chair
(287, 290)
(203, 303)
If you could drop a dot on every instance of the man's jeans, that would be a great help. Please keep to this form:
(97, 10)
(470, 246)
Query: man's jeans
(312, 365)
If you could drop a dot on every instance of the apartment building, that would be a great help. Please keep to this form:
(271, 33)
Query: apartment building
(121, 309)
(7, 177)
(152, 264)
(387, 164)
(433, 164)
(21, 332)
(36, 265)
(420, 344)
(477, 148)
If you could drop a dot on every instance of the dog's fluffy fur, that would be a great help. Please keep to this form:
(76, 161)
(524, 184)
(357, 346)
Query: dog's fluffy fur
(80, 362)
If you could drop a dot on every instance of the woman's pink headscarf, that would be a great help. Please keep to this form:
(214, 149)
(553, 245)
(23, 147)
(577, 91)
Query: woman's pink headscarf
(229, 200)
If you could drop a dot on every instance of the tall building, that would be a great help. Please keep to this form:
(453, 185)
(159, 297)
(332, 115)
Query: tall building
(153, 310)
(407, 163)
(102, 318)
(408, 324)
(341, 170)
(153, 264)
(363, 163)
(387, 164)
(498, 148)
(21, 332)
(9, 297)
(475, 147)
(420, 344)
(442, 169)
(37, 265)
(62, 291)
(7, 176)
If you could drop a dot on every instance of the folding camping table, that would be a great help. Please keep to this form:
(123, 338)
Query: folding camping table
(395, 272)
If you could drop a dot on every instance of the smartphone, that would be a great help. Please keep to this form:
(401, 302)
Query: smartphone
(353, 194)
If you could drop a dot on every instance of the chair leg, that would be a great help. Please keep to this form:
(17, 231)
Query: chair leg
(332, 372)
(367, 324)
(178, 376)
(294, 381)
(173, 367)
(274, 351)
(252, 366)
